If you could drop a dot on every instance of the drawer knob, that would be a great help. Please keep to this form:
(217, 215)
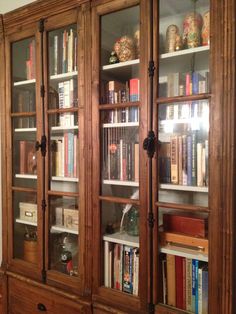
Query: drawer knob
(41, 307)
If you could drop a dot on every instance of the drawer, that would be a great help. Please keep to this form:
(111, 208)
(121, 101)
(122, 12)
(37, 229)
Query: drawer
(24, 298)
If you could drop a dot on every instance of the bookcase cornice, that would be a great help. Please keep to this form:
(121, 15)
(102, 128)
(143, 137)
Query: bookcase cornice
(35, 11)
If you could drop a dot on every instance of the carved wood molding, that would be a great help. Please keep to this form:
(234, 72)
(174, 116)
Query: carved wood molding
(34, 11)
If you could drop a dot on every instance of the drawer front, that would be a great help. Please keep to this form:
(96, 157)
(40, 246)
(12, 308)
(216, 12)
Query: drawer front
(24, 298)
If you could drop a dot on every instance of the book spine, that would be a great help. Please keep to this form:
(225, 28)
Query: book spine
(189, 160)
(194, 159)
(174, 159)
(171, 285)
(127, 278)
(188, 284)
(179, 281)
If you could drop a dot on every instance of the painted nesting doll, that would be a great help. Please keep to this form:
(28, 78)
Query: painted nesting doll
(173, 39)
(206, 29)
(192, 26)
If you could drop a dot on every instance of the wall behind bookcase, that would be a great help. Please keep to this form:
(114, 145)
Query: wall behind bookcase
(6, 6)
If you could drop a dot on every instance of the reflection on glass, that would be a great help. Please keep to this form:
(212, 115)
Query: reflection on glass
(64, 226)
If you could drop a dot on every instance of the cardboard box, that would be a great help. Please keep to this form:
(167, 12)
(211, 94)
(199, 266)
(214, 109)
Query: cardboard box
(28, 212)
(71, 218)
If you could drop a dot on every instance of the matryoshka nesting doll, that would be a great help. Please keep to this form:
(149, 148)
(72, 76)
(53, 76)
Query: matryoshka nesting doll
(192, 26)
(206, 29)
(173, 39)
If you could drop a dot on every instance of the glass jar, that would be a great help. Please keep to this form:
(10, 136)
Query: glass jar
(133, 221)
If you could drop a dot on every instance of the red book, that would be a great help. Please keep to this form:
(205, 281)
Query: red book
(179, 281)
(188, 225)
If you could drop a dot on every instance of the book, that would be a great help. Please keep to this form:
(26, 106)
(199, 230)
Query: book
(134, 92)
(179, 281)
(28, 161)
(171, 285)
(188, 224)
(128, 270)
(174, 159)
(188, 284)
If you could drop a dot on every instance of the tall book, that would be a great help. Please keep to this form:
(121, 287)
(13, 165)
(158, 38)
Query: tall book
(171, 284)
(179, 281)
(174, 159)
(128, 270)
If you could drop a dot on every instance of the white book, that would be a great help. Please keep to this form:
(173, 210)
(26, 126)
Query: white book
(106, 263)
(199, 165)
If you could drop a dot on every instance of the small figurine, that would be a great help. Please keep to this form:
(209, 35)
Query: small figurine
(192, 26)
(125, 49)
(173, 39)
(113, 58)
(206, 29)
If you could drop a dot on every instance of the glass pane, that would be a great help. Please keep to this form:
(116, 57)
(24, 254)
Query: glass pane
(63, 152)
(24, 162)
(184, 51)
(25, 226)
(64, 230)
(183, 155)
(119, 131)
(184, 48)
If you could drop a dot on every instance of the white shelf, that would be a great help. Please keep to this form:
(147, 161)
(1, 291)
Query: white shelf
(121, 64)
(201, 189)
(26, 82)
(121, 183)
(25, 222)
(184, 252)
(120, 125)
(63, 75)
(63, 229)
(122, 238)
(65, 179)
(64, 128)
(184, 52)
(26, 176)
(25, 130)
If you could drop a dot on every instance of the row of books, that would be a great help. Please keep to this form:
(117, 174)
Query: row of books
(184, 84)
(63, 52)
(187, 110)
(67, 98)
(184, 161)
(24, 101)
(124, 115)
(185, 283)
(65, 155)
(121, 267)
(118, 92)
(30, 62)
(121, 160)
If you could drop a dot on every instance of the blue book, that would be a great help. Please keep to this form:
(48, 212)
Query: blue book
(196, 286)
(205, 290)
(195, 83)
(193, 285)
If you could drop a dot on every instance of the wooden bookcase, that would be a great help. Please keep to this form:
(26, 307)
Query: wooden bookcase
(98, 248)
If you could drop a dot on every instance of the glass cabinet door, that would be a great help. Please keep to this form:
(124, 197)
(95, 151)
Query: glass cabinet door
(24, 161)
(119, 149)
(63, 155)
(183, 137)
